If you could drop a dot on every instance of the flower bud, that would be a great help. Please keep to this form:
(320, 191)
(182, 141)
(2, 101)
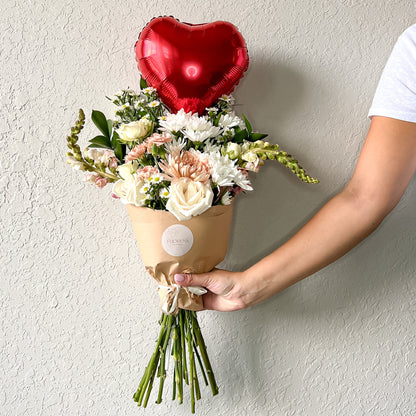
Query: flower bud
(74, 163)
(233, 150)
(250, 156)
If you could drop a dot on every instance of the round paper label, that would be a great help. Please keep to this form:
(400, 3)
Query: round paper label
(177, 240)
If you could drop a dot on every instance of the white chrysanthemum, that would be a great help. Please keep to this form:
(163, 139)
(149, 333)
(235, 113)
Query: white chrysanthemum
(201, 136)
(198, 123)
(230, 120)
(175, 122)
(224, 172)
(175, 146)
(199, 129)
(154, 104)
(210, 147)
(226, 199)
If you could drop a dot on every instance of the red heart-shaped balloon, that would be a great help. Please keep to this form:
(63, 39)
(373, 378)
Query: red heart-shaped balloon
(191, 66)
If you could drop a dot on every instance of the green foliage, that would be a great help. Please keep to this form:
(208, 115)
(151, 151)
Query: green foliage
(118, 147)
(101, 141)
(143, 83)
(240, 135)
(248, 125)
(100, 121)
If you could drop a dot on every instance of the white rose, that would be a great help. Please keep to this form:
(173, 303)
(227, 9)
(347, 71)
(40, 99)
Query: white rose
(135, 130)
(127, 170)
(189, 198)
(129, 191)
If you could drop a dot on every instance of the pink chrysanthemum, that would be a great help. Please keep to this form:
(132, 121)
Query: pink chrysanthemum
(185, 165)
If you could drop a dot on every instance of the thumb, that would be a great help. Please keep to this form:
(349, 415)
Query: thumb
(202, 279)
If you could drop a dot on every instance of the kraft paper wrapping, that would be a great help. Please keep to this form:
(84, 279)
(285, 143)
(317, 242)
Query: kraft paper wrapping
(170, 246)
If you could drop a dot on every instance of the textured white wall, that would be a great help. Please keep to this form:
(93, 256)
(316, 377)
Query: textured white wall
(78, 313)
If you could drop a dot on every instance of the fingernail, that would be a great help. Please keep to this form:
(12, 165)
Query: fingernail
(179, 278)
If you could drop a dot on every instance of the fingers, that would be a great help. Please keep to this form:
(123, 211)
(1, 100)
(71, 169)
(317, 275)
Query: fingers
(193, 280)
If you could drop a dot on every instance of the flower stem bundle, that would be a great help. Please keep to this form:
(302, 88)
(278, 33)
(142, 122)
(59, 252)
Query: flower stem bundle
(180, 337)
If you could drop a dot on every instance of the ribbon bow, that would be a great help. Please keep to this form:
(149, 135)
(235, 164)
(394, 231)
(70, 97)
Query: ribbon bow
(170, 304)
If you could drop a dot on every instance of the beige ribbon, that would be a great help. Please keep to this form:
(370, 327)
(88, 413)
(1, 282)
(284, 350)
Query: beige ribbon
(170, 305)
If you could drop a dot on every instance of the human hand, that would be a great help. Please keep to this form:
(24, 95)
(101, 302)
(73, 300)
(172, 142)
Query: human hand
(225, 289)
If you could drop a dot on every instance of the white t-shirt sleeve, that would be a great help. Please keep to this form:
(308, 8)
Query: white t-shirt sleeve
(395, 96)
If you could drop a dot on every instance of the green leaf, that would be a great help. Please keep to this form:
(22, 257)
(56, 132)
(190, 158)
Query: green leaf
(154, 150)
(101, 141)
(100, 121)
(117, 147)
(110, 126)
(247, 123)
(257, 136)
(240, 136)
(143, 83)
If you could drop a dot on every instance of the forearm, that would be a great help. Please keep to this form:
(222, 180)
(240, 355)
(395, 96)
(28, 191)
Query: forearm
(385, 167)
(341, 224)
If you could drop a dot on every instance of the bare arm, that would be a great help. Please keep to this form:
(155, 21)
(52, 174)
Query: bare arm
(384, 169)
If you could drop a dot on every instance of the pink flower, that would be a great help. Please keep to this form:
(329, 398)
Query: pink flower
(253, 167)
(158, 140)
(237, 190)
(95, 179)
(101, 182)
(146, 172)
(186, 165)
(113, 164)
(90, 177)
(136, 153)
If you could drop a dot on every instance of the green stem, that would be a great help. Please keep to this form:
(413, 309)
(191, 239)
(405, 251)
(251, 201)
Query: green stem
(178, 364)
(203, 349)
(162, 358)
(200, 364)
(138, 397)
(181, 327)
(191, 360)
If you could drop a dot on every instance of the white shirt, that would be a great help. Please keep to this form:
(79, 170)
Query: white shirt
(395, 96)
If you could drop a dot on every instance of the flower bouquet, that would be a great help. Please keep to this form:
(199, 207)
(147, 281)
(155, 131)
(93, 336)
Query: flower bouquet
(178, 173)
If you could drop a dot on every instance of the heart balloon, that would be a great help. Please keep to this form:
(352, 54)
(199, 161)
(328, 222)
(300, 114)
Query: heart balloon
(191, 66)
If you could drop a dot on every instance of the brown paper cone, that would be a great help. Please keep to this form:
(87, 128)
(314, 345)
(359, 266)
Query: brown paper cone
(169, 246)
